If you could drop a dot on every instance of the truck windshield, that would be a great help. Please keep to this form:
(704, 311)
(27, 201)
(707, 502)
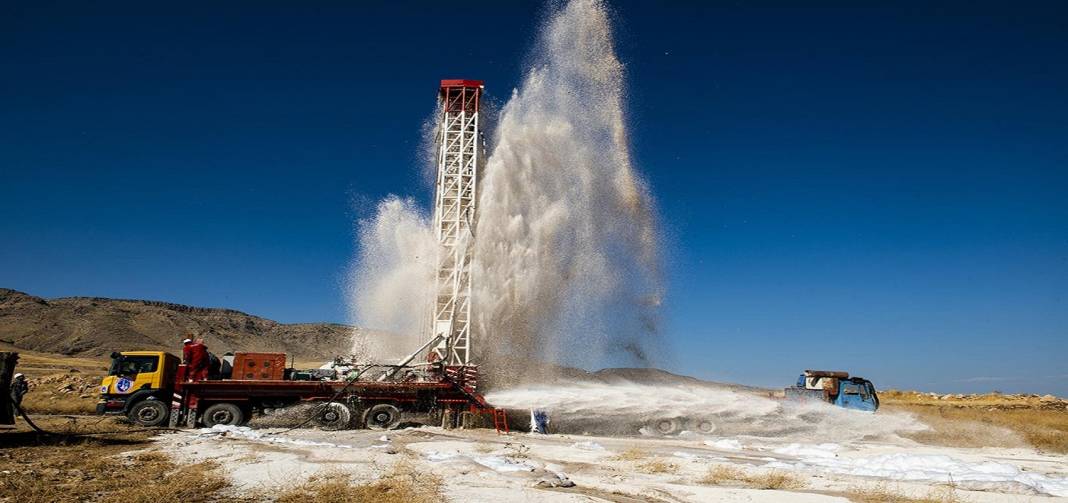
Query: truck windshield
(133, 365)
(859, 388)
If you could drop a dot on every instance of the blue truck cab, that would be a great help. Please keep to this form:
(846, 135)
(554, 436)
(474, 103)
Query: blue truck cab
(836, 388)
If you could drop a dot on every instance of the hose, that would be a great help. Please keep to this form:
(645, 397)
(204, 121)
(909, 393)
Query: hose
(42, 431)
(318, 409)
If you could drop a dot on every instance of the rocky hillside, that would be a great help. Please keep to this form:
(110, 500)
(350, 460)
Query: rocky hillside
(95, 327)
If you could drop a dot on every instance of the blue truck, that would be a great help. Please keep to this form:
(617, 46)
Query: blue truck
(836, 388)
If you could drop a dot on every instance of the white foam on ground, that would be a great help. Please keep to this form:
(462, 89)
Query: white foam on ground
(692, 456)
(438, 457)
(588, 446)
(922, 467)
(726, 444)
(502, 464)
(496, 463)
(246, 433)
(808, 450)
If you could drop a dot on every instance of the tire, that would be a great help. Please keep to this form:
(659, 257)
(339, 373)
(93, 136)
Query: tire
(149, 413)
(705, 426)
(383, 416)
(666, 426)
(333, 416)
(223, 413)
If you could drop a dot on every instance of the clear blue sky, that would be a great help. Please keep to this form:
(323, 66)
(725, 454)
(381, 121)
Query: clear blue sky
(877, 189)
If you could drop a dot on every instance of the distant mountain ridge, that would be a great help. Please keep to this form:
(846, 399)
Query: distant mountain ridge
(96, 326)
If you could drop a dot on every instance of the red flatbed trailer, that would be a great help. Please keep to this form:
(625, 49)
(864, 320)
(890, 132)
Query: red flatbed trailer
(342, 403)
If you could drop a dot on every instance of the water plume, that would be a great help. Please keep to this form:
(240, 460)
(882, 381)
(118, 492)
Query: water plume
(566, 262)
(391, 286)
(565, 243)
(625, 407)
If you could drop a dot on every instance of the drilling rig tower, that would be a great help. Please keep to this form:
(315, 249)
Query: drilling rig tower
(460, 154)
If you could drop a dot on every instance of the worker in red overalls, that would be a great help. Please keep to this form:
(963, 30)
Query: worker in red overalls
(195, 357)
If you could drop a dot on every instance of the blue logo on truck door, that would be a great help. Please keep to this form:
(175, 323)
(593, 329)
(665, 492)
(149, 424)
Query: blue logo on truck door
(123, 385)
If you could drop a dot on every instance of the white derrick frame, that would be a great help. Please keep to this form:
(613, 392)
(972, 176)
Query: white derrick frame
(454, 218)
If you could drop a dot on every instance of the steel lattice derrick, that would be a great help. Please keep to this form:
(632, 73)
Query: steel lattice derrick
(459, 155)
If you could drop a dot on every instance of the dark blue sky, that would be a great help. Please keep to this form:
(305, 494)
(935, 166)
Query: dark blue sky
(877, 189)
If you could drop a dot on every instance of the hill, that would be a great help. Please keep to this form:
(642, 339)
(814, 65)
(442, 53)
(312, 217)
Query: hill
(91, 326)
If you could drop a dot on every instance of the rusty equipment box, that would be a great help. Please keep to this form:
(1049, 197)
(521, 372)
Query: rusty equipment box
(259, 366)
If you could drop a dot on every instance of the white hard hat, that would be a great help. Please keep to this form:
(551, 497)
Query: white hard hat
(18, 375)
(187, 341)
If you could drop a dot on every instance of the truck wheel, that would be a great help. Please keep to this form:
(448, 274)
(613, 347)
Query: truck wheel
(149, 413)
(705, 426)
(383, 416)
(666, 426)
(333, 416)
(223, 413)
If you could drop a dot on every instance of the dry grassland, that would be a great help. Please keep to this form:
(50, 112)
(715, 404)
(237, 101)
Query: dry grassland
(658, 465)
(403, 484)
(63, 393)
(76, 405)
(632, 454)
(45, 469)
(36, 364)
(59, 384)
(992, 420)
(883, 493)
(773, 479)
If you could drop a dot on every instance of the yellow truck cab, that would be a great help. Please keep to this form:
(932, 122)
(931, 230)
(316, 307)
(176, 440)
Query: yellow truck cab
(139, 384)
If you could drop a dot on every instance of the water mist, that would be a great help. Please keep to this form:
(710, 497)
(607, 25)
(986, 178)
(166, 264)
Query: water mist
(565, 244)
